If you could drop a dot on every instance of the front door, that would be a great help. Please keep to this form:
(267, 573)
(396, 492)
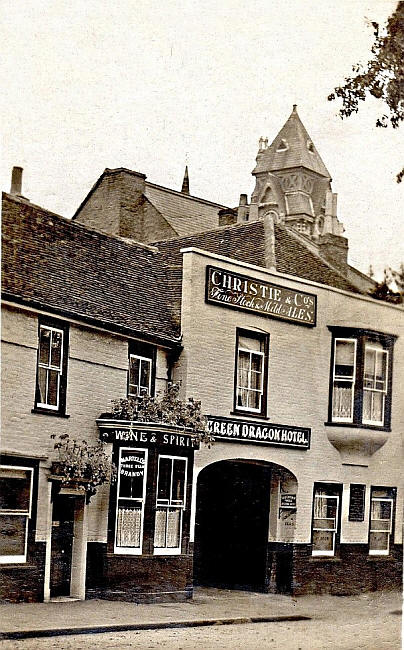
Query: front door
(62, 544)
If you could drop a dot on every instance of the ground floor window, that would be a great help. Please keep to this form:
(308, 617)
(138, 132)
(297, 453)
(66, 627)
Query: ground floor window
(381, 520)
(15, 511)
(325, 519)
(170, 504)
(131, 490)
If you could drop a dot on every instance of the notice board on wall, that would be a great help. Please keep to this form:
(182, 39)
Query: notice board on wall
(356, 502)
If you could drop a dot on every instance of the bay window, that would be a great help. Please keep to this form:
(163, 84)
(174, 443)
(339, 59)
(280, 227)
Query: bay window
(382, 502)
(170, 504)
(325, 528)
(251, 372)
(361, 374)
(131, 491)
(15, 512)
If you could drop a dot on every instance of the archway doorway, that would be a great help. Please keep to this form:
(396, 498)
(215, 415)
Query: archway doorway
(231, 527)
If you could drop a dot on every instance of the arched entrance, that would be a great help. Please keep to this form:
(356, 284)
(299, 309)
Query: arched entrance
(231, 527)
(244, 526)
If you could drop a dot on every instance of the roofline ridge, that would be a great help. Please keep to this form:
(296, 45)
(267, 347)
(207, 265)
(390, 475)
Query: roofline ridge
(190, 197)
(76, 224)
(205, 232)
(333, 268)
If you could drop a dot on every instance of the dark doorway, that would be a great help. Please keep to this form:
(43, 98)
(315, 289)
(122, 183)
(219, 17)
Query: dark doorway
(62, 545)
(231, 530)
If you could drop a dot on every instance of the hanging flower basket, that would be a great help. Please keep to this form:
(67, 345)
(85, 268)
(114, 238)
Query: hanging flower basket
(80, 467)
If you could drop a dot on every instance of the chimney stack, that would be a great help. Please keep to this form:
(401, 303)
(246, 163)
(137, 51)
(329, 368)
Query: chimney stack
(16, 181)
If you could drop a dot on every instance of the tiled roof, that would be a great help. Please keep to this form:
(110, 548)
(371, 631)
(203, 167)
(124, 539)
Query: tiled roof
(55, 263)
(246, 242)
(293, 152)
(186, 214)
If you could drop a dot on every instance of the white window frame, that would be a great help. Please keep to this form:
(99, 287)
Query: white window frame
(382, 352)
(337, 378)
(48, 366)
(165, 550)
(390, 529)
(19, 559)
(317, 552)
(130, 550)
(260, 391)
(141, 361)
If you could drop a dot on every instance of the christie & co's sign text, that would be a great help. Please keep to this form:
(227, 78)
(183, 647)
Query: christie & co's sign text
(265, 298)
(280, 435)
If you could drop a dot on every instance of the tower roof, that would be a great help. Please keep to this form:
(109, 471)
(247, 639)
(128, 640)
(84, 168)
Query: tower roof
(292, 147)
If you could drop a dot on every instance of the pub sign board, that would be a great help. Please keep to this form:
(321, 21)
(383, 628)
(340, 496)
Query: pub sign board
(129, 435)
(237, 291)
(279, 435)
(357, 493)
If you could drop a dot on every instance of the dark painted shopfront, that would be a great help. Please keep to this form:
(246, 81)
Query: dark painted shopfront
(147, 555)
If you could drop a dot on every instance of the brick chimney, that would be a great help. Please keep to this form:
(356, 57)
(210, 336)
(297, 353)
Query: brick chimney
(16, 181)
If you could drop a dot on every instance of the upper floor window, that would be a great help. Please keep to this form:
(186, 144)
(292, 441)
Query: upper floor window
(361, 377)
(51, 366)
(141, 369)
(382, 502)
(170, 504)
(15, 511)
(251, 372)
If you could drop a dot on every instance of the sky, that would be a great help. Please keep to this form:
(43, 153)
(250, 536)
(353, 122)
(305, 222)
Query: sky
(153, 85)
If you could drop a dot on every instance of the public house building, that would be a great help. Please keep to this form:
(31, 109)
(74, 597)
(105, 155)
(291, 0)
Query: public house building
(255, 311)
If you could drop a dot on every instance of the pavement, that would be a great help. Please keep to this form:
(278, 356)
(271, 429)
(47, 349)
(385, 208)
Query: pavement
(208, 607)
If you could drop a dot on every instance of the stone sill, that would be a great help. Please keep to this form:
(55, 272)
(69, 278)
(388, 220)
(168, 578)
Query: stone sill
(55, 414)
(12, 567)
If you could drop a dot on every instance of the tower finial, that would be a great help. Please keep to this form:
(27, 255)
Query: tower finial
(294, 108)
(185, 182)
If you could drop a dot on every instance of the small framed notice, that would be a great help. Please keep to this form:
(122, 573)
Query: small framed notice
(357, 493)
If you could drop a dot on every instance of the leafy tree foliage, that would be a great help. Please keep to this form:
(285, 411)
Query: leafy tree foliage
(382, 76)
(384, 291)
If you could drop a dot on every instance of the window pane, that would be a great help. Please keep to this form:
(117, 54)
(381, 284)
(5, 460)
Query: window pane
(134, 367)
(242, 398)
(178, 489)
(254, 400)
(373, 406)
(12, 535)
(160, 528)
(42, 379)
(370, 365)
(131, 474)
(381, 509)
(344, 358)
(128, 526)
(53, 388)
(256, 363)
(15, 488)
(145, 376)
(243, 368)
(255, 380)
(56, 349)
(379, 541)
(44, 345)
(163, 489)
(323, 540)
(173, 527)
(342, 400)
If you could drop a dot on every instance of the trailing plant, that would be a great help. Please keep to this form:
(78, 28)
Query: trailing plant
(81, 463)
(165, 409)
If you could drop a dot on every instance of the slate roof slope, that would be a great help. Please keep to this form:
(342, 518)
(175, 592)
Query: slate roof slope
(297, 153)
(246, 242)
(186, 214)
(60, 265)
